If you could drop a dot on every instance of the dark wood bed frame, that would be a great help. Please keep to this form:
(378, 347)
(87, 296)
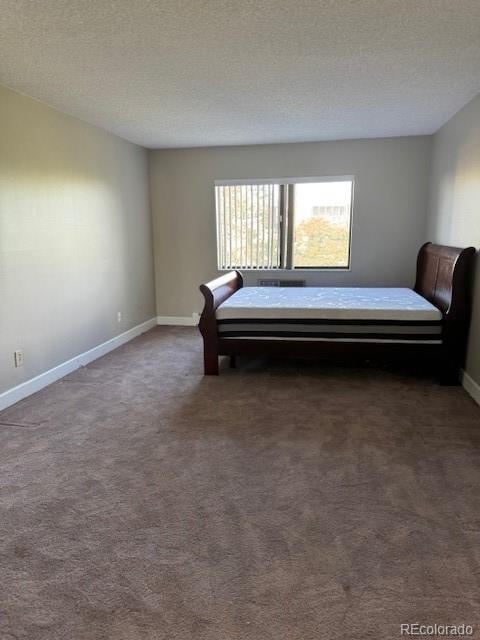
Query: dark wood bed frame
(442, 278)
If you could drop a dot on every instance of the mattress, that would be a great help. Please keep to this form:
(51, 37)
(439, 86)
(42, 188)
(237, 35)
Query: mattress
(330, 313)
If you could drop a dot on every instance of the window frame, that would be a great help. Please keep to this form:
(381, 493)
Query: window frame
(287, 227)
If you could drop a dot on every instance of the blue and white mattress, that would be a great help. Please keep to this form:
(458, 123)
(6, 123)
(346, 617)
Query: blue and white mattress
(330, 313)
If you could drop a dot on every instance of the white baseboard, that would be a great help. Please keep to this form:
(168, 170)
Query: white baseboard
(180, 321)
(471, 386)
(11, 396)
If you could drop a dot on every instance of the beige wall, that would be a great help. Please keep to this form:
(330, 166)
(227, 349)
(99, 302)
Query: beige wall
(75, 237)
(391, 192)
(454, 212)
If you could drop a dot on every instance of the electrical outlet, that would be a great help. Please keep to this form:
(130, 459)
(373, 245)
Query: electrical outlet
(196, 317)
(18, 358)
(119, 316)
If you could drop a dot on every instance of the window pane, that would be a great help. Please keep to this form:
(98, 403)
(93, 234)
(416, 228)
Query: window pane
(322, 224)
(248, 226)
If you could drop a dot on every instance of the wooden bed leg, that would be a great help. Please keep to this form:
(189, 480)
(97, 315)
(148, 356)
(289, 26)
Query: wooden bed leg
(210, 361)
(449, 378)
(233, 362)
(449, 371)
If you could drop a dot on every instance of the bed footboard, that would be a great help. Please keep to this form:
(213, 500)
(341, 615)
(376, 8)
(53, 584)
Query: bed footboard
(215, 292)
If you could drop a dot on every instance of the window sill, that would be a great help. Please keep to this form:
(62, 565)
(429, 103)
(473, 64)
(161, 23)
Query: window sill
(289, 271)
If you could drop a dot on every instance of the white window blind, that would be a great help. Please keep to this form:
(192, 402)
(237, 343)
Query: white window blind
(248, 226)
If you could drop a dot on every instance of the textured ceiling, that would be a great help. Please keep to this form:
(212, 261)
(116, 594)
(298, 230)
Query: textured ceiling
(218, 72)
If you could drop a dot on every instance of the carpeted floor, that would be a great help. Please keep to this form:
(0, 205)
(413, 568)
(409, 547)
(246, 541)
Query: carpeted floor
(140, 500)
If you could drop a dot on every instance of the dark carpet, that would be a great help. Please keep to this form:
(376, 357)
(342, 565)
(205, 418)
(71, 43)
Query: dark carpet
(140, 500)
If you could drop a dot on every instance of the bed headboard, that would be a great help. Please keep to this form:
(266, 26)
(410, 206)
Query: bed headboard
(443, 277)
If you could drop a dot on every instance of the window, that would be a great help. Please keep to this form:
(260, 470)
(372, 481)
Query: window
(284, 224)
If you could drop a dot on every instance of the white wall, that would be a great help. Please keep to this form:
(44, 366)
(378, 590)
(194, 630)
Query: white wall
(75, 237)
(391, 193)
(454, 211)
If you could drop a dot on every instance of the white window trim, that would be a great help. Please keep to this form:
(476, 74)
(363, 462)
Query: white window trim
(298, 180)
(301, 180)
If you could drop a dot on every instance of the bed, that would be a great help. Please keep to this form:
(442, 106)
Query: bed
(426, 324)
